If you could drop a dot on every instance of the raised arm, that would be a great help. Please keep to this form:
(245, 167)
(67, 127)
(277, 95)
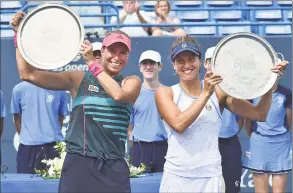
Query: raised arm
(126, 93)
(177, 120)
(130, 86)
(48, 80)
(244, 108)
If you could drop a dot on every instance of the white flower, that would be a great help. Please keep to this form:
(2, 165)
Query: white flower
(62, 155)
(58, 164)
(55, 165)
(51, 171)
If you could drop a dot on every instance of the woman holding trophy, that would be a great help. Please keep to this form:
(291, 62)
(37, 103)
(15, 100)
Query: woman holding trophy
(102, 99)
(192, 115)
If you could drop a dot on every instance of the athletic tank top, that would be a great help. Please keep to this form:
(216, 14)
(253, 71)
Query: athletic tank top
(98, 124)
(195, 153)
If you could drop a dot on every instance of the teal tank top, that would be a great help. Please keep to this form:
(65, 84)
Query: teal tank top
(98, 124)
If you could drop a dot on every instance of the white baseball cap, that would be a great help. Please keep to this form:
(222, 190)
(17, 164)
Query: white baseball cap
(97, 46)
(151, 55)
(209, 53)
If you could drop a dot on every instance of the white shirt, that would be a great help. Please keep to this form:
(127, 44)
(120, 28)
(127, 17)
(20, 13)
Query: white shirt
(195, 153)
(133, 19)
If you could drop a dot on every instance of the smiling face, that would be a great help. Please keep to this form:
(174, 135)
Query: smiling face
(115, 58)
(162, 8)
(150, 69)
(187, 65)
(186, 57)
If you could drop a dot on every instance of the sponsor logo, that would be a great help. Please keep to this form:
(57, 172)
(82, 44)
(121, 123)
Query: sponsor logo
(237, 184)
(120, 37)
(50, 98)
(248, 154)
(80, 67)
(208, 107)
(280, 99)
(93, 88)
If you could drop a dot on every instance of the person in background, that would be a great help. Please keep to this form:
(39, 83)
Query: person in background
(229, 145)
(146, 130)
(192, 116)
(162, 10)
(270, 144)
(97, 46)
(38, 117)
(131, 14)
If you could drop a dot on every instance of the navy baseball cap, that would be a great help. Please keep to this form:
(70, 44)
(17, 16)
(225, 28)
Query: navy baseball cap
(183, 47)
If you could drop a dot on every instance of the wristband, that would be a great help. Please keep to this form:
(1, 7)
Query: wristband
(96, 68)
(15, 40)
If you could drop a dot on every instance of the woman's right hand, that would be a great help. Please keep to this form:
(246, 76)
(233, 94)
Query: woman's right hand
(210, 81)
(163, 17)
(15, 20)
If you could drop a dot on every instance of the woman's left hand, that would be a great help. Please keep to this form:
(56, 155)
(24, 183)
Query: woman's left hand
(87, 52)
(280, 68)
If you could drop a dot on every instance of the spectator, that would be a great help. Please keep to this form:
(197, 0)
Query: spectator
(97, 46)
(146, 129)
(162, 10)
(270, 143)
(38, 118)
(131, 14)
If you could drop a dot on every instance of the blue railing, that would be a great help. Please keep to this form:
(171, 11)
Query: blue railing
(26, 7)
(251, 22)
(221, 8)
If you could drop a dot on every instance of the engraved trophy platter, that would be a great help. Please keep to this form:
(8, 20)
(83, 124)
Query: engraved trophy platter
(50, 36)
(244, 60)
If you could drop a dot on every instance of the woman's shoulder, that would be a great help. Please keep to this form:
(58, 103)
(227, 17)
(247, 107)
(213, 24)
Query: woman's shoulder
(164, 90)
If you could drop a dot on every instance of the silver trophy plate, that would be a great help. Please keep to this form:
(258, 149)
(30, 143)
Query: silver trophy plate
(244, 60)
(50, 36)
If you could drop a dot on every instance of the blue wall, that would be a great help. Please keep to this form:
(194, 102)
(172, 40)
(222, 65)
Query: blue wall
(10, 77)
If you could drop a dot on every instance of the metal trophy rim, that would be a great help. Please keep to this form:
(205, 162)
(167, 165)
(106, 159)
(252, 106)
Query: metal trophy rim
(273, 53)
(30, 14)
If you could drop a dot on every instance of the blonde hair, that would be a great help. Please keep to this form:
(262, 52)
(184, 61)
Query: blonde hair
(157, 6)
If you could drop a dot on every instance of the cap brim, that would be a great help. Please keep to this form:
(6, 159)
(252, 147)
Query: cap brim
(148, 59)
(182, 50)
(96, 49)
(117, 41)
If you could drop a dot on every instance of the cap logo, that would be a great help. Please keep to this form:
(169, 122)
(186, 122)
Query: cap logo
(119, 37)
(184, 45)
